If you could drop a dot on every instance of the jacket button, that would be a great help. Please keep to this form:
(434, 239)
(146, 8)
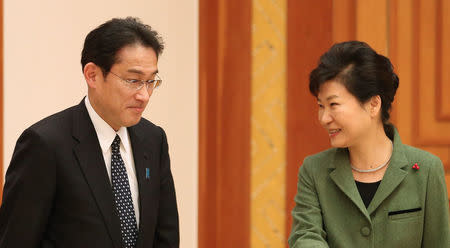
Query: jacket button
(365, 231)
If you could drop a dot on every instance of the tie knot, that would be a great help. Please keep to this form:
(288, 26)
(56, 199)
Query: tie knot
(116, 143)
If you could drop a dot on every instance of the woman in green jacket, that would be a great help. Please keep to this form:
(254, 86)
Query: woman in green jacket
(369, 190)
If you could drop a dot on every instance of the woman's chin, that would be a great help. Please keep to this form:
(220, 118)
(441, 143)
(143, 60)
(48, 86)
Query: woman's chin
(337, 144)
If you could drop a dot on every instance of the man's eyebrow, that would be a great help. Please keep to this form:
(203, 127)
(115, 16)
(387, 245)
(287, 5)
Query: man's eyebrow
(139, 71)
(135, 71)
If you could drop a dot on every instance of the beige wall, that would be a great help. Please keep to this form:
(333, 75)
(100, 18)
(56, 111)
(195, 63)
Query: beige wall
(42, 75)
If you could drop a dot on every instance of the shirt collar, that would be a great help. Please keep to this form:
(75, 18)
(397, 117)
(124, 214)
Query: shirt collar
(105, 132)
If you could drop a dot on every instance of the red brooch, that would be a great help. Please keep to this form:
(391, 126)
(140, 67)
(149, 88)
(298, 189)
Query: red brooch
(416, 167)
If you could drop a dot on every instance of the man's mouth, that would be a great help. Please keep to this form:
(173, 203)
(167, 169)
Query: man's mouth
(137, 109)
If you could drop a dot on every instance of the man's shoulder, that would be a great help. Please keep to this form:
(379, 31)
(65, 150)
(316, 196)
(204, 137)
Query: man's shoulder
(146, 124)
(57, 122)
(55, 130)
(147, 127)
(149, 130)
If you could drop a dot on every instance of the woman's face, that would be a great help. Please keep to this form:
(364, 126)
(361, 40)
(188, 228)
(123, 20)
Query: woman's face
(346, 120)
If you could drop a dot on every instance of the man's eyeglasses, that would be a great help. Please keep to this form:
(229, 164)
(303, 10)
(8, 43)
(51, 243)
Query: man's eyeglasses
(137, 84)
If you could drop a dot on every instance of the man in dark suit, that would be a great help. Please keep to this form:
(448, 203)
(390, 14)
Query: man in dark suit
(97, 174)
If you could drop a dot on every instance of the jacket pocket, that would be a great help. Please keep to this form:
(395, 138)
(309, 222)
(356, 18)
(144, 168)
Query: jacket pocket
(403, 228)
(405, 213)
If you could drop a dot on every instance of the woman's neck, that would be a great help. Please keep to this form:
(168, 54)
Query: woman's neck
(372, 151)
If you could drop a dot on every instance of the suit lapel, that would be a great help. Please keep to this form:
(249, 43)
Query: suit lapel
(142, 163)
(393, 176)
(90, 158)
(343, 178)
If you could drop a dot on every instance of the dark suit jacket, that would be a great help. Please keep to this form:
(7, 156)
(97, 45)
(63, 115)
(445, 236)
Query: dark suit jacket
(58, 194)
(409, 209)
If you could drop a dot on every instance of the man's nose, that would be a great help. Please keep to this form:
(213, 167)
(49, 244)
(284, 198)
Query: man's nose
(144, 94)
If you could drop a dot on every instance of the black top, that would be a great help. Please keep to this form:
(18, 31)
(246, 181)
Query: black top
(367, 191)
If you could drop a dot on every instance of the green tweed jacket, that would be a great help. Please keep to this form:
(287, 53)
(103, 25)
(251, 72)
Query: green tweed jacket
(409, 209)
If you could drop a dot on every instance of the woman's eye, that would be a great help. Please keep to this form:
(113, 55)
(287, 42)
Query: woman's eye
(333, 104)
(320, 105)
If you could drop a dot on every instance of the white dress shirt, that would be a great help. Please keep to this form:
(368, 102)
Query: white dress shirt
(106, 135)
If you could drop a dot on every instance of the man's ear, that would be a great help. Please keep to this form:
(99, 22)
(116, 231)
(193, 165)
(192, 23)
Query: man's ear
(92, 74)
(375, 105)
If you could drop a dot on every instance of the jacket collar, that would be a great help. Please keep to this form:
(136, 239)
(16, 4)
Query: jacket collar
(89, 155)
(342, 176)
(393, 176)
(90, 159)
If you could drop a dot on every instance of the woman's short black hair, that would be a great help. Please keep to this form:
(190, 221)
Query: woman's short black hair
(102, 44)
(362, 71)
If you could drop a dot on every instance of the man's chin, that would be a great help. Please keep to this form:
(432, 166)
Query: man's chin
(133, 122)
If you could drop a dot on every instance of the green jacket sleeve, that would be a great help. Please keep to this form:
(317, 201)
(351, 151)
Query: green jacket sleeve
(436, 227)
(307, 228)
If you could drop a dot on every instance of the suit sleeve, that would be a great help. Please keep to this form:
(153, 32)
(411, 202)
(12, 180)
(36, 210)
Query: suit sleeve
(28, 193)
(307, 228)
(436, 227)
(167, 229)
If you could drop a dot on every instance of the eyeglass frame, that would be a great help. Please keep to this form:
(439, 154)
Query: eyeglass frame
(131, 82)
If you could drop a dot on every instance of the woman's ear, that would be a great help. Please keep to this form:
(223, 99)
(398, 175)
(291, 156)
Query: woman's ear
(375, 105)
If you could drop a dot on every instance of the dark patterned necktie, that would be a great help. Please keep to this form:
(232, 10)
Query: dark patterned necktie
(122, 197)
